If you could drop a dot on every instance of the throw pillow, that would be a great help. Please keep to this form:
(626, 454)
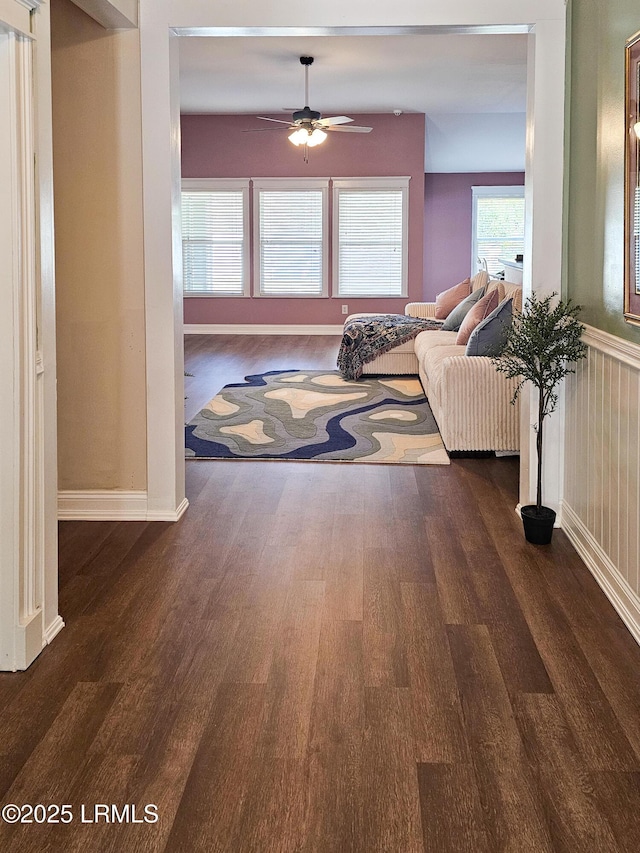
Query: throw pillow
(454, 320)
(489, 336)
(448, 299)
(476, 315)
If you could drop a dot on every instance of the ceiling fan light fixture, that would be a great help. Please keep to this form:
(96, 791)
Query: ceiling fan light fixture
(299, 136)
(307, 127)
(302, 136)
(316, 137)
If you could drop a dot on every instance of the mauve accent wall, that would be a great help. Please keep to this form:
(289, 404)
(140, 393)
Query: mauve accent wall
(214, 146)
(447, 225)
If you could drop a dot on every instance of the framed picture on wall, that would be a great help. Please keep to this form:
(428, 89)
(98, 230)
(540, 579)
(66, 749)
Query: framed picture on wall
(632, 183)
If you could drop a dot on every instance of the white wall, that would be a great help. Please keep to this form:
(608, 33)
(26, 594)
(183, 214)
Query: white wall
(475, 142)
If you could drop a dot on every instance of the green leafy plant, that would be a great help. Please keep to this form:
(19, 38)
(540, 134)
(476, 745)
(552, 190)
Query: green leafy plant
(542, 347)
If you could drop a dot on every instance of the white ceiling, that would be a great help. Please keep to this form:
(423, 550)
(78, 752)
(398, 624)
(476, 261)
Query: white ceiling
(472, 88)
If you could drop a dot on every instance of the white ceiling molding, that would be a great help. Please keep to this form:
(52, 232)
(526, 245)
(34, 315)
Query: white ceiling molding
(246, 32)
(111, 14)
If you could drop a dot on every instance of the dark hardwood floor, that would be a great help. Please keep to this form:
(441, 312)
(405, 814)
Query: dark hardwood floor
(328, 658)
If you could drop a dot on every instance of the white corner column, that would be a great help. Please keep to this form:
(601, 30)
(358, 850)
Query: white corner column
(28, 516)
(542, 273)
(166, 499)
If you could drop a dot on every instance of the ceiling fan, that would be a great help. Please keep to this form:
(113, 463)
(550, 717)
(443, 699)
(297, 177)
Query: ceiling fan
(307, 126)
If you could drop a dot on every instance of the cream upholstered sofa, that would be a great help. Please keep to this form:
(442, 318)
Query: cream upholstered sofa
(470, 400)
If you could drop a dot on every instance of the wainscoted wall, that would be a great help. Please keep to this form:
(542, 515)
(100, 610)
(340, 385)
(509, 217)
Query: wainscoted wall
(601, 506)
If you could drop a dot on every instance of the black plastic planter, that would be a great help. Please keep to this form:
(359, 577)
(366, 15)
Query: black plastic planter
(538, 525)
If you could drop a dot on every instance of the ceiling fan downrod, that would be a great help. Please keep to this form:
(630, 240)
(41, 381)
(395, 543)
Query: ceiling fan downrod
(306, 115)
(306, 61)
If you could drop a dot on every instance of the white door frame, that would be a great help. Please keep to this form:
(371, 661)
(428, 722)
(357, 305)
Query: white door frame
(162, 21)
(28, 470)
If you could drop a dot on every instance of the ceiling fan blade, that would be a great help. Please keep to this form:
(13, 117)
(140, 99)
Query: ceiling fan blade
(327, 122)
(264, 129)
(278, 120)
(351, 129)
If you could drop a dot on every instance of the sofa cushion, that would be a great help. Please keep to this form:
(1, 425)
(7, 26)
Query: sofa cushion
(509, 290)
(448, 299)
(479, 280)
(433, 362)
(489, 336)
(476, 315)
(454, 320)
(425, 341)
(513, 292)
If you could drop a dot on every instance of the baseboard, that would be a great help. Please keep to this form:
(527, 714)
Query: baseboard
(102, 505)
(161, 515)
(257, 329)
(112, 505)
(53, 630)
(614, 586)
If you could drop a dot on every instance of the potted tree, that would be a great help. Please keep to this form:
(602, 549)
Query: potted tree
(542, 346)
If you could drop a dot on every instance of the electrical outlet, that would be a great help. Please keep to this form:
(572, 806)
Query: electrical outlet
(345, 309)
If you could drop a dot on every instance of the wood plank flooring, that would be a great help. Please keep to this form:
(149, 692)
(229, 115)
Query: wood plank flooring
(325, 658)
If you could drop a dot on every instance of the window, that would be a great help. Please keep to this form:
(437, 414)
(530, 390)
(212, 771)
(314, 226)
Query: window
(290, 237)
(370, 237)
(282, 249)
(498, 226)
(215, 245)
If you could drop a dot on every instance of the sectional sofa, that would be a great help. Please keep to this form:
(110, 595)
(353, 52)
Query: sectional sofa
(470, 400)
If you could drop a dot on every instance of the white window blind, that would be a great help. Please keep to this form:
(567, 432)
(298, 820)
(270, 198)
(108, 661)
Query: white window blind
(291, 251)
(370, 252)
(214, 240)
(498, 226)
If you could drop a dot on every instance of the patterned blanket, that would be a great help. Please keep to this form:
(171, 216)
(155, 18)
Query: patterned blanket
(366, 338)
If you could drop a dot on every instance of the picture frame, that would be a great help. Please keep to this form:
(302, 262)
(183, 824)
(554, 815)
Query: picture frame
(632, 182)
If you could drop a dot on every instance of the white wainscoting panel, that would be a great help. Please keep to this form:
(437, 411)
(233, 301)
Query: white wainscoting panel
(602, 468)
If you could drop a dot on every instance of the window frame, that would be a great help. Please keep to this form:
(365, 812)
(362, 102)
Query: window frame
(224, 185)
(371, 184)
(294, 184)
(488, 191)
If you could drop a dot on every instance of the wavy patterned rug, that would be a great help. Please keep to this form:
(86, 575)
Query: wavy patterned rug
(318, 415)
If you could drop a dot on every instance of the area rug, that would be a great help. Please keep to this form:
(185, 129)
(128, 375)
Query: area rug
(318, 416)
